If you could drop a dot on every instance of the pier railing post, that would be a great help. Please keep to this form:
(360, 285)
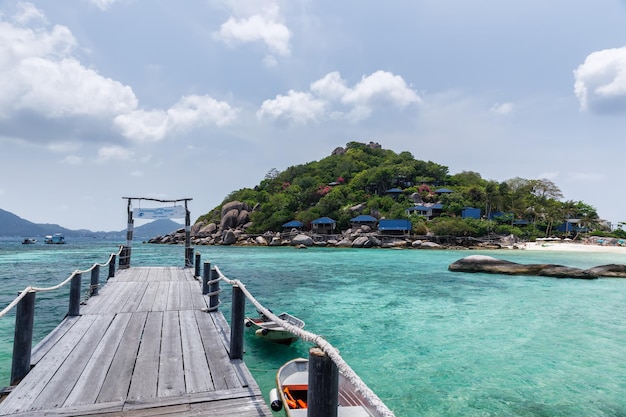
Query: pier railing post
(206, 277)
(236, 323)
(125, 257)
(188, 257)
(112, 266)
(214, 289)
(95, 280)
(197, 265)
(323, 395)
(75, 295)
(23, 339)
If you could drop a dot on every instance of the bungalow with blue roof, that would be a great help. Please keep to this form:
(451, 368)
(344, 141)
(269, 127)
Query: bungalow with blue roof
(323, 225)
(443, 191)
(294, 224)
(363, 219)
(427, 210)
(394, 226)
(394, 192)
(470, 213)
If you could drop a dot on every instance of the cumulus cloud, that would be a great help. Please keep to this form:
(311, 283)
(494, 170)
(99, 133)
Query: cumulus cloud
(256, 23)
(42, 81)
(332, 97)
(73, 160)
(190, 111)
(39, 74)
(297, 107)
(600, 82)
(107, 153)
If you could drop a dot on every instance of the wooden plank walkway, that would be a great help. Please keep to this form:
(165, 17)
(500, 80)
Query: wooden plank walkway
(142, 347)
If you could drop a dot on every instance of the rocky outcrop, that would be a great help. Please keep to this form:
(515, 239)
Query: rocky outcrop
(488, 264)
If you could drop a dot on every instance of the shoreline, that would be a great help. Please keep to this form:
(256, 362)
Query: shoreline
(572, 247)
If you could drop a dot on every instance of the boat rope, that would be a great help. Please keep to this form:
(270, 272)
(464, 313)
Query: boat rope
(331, 351)
(30, 289)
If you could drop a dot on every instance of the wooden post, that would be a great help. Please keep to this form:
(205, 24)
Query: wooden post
(188, 248)
(214, 289)
(75, 296)
(112, 267)
(323, 395)
(236, 323)
(206, 276)
(126, 251)
(95, 280)
(23, 339)
(197, 265)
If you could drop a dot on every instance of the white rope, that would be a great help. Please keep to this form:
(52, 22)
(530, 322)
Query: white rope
(331, 351)
(55, 287)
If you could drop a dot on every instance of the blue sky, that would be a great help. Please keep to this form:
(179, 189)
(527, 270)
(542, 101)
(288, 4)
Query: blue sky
(104, 99)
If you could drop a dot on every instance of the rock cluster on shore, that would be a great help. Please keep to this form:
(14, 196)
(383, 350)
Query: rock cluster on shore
(488, 264)
(235, 219)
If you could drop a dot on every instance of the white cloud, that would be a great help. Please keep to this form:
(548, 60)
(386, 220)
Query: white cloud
(330, 96)
(38, 74)
(502, 108)
(27, 12)
(257, 24)
(103, 4)
(297, 107)
(107, 153)
(270, 61)
(190, 112)
(73, 160)
(64, 147)
(601, 81)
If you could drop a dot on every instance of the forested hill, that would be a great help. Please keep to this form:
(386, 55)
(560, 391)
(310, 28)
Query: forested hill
(367, 179)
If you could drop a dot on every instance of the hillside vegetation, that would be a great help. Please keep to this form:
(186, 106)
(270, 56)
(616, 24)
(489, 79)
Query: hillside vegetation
(356, 179)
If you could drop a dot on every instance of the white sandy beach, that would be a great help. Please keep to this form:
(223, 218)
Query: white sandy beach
(573, 247)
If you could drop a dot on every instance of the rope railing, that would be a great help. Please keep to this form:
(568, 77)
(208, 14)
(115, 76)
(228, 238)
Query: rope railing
(324, 345)
(29, 289)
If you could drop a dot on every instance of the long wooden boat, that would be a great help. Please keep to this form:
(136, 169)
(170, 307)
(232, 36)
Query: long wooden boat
(290, 394)
(272, 331)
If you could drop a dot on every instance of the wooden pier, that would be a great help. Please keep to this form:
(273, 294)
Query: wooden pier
(144, 346)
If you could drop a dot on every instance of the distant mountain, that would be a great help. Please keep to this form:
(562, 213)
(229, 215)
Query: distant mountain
(13, 225)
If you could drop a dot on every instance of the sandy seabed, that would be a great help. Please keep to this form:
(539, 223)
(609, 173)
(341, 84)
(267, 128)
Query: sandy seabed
(573, 247)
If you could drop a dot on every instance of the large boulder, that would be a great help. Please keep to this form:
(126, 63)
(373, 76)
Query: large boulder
(488, 264)
(229, 219)
(302, 239)
(229, 237)
(611, 271)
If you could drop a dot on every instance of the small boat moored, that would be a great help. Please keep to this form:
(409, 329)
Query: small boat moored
(272, 331)
(292, 381)
(57, 239)
(29, 241)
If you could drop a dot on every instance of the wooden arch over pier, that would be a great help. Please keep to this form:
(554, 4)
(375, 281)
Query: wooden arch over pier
(164, 213)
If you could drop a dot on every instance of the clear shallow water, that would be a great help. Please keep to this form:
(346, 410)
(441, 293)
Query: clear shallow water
(428, 341)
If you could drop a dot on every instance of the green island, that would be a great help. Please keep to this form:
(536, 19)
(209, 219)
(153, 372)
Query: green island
(362, 190)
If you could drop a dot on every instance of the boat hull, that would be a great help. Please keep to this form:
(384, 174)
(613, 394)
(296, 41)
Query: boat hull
(292, 386)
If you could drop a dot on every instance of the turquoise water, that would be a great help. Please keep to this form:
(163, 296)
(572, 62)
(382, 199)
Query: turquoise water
(428, 341)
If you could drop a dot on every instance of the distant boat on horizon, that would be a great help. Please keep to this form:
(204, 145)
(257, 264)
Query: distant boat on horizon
(57, 239)
(29, 241)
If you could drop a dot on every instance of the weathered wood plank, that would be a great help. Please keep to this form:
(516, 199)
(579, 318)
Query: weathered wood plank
(223, 374)
(173, 296)
(160, 301)
(89, 384)
(34, 382)
(57, 390)
(197, 372)
(184, 294)
(145, 377)
(133, 301)
(117, 381)
(51, 339)
(148, 298)
(171, 372)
